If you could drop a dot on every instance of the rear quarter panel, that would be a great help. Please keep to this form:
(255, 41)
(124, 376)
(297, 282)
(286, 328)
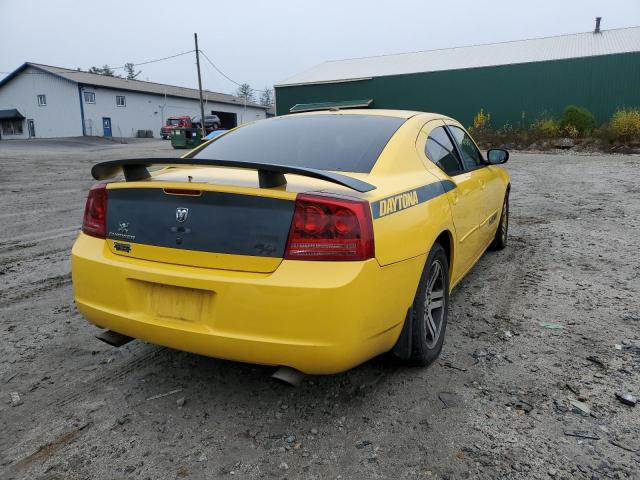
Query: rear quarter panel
(409, 207)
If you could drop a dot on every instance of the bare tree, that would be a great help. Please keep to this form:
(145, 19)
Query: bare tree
(245, 91)
(267, 97)
(131, 72)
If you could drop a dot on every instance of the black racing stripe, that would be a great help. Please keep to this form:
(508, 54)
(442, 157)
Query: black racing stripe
(410, 198)
(215, 222)
(448, 185)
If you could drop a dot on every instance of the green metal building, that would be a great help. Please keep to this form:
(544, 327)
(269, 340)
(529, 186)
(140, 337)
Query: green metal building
(515, 82)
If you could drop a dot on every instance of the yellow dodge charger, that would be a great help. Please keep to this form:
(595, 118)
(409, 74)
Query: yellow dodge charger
(313, 241)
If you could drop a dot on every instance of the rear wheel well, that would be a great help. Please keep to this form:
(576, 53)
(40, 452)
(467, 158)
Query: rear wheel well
(445, 239)
(404, 345)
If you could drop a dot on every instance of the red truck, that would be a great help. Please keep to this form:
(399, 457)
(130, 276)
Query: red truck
(173, 123)
(211, 122)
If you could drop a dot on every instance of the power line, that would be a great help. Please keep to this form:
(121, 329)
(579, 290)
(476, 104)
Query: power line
(113, 68)
(154, 61)
(147, 62)
(218, 70)
(224, 74)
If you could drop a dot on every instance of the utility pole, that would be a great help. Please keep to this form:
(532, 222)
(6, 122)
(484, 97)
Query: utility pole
(204, 134)
(244, 112)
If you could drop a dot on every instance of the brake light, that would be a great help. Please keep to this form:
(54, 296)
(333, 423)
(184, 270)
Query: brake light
(325, 228)
(94, 222)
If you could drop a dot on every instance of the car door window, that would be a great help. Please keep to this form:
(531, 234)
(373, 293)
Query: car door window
(471, 156)
(441, 151)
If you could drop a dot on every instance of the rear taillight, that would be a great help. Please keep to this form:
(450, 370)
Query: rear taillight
(325, 228)
(94, 222)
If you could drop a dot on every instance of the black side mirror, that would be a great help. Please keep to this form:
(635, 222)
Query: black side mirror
(496, 156)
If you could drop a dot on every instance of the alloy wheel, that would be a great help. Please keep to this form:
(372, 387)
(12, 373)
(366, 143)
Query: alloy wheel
(434, 304)
(504, 221)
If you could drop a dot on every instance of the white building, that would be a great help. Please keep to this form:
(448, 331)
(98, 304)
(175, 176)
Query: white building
(46, 102)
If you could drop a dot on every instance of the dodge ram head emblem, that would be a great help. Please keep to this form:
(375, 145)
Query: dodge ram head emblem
(123, 227)
(181, 214)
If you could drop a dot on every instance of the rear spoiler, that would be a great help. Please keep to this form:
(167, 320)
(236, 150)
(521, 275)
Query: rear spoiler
(269, 175)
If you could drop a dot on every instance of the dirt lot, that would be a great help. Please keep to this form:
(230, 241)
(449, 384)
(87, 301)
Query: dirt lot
(541, 337)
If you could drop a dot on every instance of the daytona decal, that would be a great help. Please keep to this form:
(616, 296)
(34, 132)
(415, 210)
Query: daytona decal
(410, 198)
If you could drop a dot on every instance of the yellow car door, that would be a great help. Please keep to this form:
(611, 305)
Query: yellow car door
(488, 184)
(436, 145)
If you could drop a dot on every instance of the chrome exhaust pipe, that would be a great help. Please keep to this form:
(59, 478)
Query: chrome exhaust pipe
(289, 376)
(114, 339)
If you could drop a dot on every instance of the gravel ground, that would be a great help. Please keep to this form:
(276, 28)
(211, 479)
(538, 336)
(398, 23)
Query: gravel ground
(541, 337)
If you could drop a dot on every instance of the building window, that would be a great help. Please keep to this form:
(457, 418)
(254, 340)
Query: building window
(11, 127)
(120, 101)
(89, 97)
(42, 100)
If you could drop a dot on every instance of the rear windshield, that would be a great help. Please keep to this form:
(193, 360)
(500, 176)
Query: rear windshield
(346, 143)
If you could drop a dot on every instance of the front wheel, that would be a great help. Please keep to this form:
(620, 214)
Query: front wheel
(500, 240)
(430, 308)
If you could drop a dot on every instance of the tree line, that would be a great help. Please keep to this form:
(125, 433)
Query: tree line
(266, 99)
(129, 69)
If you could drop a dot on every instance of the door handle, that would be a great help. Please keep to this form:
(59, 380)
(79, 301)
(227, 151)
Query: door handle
(482, 184)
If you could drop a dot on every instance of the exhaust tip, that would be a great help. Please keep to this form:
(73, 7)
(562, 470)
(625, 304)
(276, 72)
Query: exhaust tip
(114, 339)
(288, 376)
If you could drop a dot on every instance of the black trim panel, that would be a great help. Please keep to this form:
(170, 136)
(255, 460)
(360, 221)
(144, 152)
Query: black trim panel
(213, 222)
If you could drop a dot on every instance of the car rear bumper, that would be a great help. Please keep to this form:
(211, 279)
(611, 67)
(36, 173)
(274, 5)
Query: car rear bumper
(317, 317)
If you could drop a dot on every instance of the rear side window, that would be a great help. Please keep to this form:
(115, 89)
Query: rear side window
(471, 156)
(344, 143)
(441, 151)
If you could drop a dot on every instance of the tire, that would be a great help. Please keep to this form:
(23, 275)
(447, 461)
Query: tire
(164, 137)
(500, 240)
(425, 318)
(216, 126)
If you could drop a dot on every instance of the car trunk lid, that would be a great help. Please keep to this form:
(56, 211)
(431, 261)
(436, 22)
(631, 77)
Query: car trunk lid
(201, 226)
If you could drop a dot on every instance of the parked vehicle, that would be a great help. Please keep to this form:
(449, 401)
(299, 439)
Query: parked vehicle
(344, 245)
(211, 122)
(173, 123)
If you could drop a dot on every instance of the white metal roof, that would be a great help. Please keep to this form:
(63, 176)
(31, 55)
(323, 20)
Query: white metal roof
(96, 80)
(577, 45)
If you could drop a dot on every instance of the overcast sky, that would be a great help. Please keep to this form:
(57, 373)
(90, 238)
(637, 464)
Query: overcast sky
(263, 42)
